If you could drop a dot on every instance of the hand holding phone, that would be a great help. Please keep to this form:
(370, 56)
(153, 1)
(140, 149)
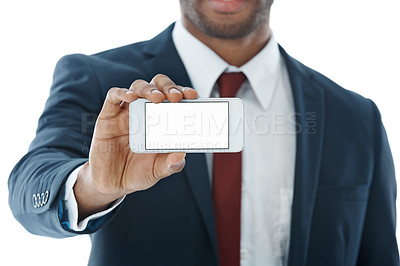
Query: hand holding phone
(112, 169)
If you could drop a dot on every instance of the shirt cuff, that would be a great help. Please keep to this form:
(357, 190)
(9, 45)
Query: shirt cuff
(71, 206)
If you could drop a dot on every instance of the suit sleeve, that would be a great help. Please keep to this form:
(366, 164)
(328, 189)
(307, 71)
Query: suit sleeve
(61, 144)
(379, 245)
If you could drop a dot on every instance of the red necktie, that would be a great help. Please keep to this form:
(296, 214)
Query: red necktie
(227, 182)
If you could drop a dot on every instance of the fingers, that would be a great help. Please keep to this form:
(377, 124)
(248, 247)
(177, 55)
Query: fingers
(113, 100)
(147, 90)
(167, 87)
(188, 93)
(168, 164)
(160, 88)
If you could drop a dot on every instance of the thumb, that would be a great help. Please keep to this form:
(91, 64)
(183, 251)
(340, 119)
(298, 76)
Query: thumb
(168, 164)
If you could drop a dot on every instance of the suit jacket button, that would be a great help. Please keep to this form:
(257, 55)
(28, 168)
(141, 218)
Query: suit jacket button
(39, 201)
(35, 201)
(42, 200)
(46, 197)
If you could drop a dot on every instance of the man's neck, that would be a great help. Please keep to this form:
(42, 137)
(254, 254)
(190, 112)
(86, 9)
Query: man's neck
(235, 52)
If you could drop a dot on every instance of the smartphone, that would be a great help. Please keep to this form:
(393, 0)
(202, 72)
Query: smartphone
(200, 125)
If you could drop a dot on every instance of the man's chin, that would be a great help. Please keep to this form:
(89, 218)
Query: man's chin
(227, 28)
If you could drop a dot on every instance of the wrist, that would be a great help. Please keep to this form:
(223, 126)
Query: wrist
(89, 198)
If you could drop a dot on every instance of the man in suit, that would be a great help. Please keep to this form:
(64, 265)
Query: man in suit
(319, 191)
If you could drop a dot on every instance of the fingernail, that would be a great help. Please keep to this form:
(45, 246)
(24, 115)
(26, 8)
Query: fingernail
(176, 167)
(173, 90)
(129, 92)
(155, 91)
(186, 88)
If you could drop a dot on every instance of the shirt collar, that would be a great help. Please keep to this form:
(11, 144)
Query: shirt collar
(262, 71)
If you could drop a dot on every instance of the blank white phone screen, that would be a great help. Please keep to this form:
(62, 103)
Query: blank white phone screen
(200, 125)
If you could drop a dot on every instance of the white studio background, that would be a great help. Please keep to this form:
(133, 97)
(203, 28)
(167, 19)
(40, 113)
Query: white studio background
(356, 43)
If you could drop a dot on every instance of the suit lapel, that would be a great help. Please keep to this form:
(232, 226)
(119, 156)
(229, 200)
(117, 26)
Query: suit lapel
(310, 109)
(163, 58)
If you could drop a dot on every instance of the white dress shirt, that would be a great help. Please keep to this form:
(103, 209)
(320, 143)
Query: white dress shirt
(268, 157)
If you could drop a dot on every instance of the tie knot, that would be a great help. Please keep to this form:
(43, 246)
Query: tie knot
(230, 83)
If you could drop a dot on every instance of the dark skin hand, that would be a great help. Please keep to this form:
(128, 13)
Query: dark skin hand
(113, 170)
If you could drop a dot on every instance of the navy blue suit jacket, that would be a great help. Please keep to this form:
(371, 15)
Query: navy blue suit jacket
(344, 197)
